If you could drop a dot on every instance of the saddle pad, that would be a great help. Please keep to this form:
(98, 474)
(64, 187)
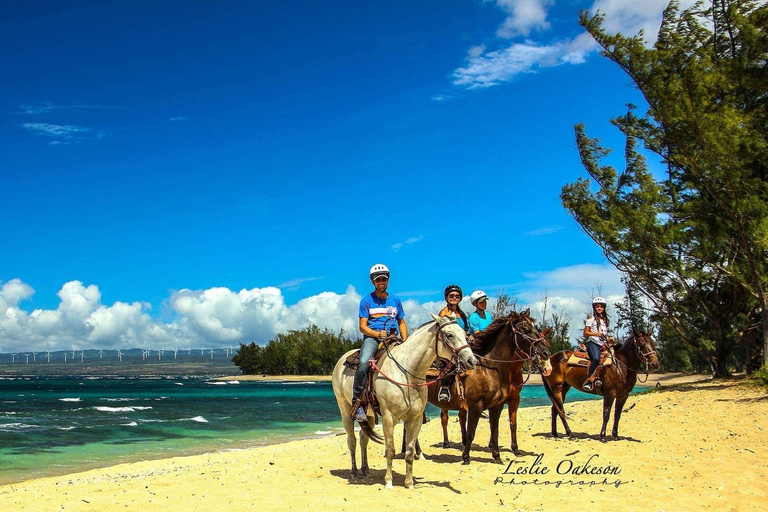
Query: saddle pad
(582, 359)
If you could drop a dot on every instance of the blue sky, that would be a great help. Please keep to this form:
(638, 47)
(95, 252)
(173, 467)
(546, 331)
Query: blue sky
(180, 173)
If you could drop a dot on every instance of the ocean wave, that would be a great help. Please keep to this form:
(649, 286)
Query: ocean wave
(296, 382)
(65, 428)
(198, 419)
(69, 400)
(233, 382)
(323, 432)
(121, 409)
(117, 399)
(130, 424)
(178, 383)
(16, 426)
(216, 383)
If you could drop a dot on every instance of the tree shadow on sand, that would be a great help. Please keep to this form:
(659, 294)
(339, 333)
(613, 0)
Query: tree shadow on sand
(376, 477)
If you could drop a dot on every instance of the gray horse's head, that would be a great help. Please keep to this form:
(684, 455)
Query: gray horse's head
(453, 342)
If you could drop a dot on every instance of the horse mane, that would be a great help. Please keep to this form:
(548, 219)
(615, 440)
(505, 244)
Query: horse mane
(485, 340)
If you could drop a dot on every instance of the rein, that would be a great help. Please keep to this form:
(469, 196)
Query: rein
(644, 362)
(443, 372)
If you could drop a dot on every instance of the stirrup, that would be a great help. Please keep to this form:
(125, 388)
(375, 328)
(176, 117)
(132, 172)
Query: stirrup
(444, 395)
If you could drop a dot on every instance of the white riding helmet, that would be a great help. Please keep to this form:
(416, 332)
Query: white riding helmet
(598, 300)
(476, 296)
(377, 270)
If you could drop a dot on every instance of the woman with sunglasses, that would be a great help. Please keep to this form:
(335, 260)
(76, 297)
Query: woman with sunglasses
(452, 309)
(381, 314)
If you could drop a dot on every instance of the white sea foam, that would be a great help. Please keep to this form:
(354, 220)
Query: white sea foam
(65, 428)
(116, 399)
(69, 400)
(198, 419)
(121, 409)
(216, 383)
(15, 426)
(323, 432)
(178, 383)
(233, 382)
(130, 424)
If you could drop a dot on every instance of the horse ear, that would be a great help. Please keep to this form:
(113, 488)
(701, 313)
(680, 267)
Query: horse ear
(435, 317)
(546, 332)
(527, 312)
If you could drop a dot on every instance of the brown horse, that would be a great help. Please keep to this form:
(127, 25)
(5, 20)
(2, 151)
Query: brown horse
(501, 350)
(618, 380)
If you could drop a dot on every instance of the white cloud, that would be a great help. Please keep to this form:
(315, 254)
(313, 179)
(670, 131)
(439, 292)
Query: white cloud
(178, 118)
(295, 284)
(65, 131)
(221, 317)
(544, 231)
(486, 69)
(524, 17)
(47, 108)
(396, 247)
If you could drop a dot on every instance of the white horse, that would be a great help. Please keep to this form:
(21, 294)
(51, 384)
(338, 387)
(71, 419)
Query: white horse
(400, 389)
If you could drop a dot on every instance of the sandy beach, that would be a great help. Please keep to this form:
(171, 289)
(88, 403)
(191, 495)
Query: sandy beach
(694, 446)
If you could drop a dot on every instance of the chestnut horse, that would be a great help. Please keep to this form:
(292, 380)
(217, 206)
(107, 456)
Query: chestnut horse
(618, 380)
(501, 350)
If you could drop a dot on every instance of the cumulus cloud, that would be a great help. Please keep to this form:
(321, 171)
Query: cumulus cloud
(524, 17)
(221, 317)
(490, 68)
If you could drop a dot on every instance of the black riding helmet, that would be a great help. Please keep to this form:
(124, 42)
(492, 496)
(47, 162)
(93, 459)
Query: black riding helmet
(453, 288)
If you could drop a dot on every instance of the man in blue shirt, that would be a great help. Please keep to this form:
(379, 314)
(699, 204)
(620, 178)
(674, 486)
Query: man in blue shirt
(379, 313)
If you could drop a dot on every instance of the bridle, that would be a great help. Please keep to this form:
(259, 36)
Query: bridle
(641, 356)
(439, 338)
(519, 352)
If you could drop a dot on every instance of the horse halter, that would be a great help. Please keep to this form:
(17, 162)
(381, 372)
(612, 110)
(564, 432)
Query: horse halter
(439, 337)
(534, 350)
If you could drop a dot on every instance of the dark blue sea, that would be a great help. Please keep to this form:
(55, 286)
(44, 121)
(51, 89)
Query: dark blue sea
(59, 425)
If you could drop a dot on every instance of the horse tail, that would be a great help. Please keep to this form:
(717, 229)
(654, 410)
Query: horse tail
(373, 436)
(548, 390)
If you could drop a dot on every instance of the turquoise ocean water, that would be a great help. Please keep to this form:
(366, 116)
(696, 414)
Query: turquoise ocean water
(60, 425)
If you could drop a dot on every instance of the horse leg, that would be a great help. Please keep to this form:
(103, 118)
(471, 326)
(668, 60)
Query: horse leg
(473, 416)
(463, 424)
(413, 428)
(620, 401)
(493, 418)
(558, 409)
(607, 404)
(444, 423)
(363, 454)
(418, 446)
(349, 427)
(513, 402)
(388, 426)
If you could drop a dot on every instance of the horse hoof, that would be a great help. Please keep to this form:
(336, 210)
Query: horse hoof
(602, 439)
(445, 445)
(497, 460)
(389, 485)
(465, 463)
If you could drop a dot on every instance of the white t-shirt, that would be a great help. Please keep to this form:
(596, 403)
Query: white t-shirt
(592, 324)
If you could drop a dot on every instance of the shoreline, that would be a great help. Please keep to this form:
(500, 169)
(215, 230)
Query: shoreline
(668, 458)
(662, 379)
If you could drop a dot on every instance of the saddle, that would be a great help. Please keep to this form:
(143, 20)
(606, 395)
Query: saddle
(368, 398)
(581, 358)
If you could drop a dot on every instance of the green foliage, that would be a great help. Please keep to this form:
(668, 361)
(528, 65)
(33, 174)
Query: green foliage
(309, 351)
(761, 377)
(693, 243)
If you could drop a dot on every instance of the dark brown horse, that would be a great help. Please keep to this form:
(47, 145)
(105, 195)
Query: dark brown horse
(618, 380)
(501, 350)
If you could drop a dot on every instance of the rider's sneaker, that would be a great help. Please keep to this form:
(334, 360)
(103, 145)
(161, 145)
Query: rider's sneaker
(588, 386)
(360, 415)
(444, 395)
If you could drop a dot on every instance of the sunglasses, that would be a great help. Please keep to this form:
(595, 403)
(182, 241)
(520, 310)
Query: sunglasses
(380, 279)
(454, 296)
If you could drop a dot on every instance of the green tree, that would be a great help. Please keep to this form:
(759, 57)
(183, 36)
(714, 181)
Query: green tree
(693, 242)
(308, 351)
